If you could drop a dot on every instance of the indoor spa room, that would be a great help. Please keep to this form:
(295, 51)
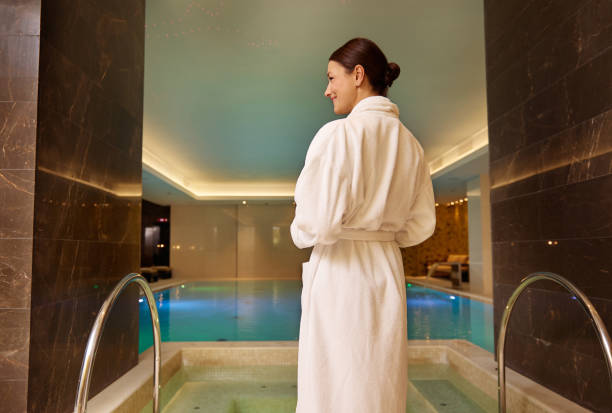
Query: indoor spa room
(330, 206)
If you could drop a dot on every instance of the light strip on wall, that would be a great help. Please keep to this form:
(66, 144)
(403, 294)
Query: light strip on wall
(164, 171)
(121, 190)
(476, 143)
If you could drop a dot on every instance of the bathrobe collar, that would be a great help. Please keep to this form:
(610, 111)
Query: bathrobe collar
(378, 103)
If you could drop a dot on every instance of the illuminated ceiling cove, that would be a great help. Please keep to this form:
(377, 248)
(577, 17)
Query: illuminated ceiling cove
(234, 89)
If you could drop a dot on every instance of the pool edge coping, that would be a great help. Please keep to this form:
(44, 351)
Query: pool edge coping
(465, 294)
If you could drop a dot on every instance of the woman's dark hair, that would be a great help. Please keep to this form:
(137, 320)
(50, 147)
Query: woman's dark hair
(364, 52)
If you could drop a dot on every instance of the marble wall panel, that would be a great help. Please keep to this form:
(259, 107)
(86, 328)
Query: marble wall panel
(87, 194)
(549, 99)
(77, 269)
(571, 160)
(17, 135)
(499, 15)
(13, 341)
(71, 277)
(108, 49)
(15, 273)
(527, 25)
(548, 60)
(69, 209)
(63, 346)
(580, 210)
(13, 394)
(19, 63)
(18, 67)
(579, 96)
(580, 374)
(16, 201)
(584, 256)
(547, 315)
(20, 17)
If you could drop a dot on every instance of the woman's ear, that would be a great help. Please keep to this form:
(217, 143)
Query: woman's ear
(359, 75)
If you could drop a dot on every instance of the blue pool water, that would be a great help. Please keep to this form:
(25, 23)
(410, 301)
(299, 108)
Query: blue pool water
(270, 310)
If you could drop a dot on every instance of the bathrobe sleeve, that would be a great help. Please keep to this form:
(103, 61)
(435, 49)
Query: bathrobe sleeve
(421, 221)
(322, 189)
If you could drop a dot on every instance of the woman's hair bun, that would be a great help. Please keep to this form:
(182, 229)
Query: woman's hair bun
(393, 71)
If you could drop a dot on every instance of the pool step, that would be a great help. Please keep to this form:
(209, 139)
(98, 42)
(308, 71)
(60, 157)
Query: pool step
(234, 397)
(265, 405)
(445, 397)
(432, 396)
(272, 389)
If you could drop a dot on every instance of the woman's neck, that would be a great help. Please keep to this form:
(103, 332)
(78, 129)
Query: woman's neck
(362, 94)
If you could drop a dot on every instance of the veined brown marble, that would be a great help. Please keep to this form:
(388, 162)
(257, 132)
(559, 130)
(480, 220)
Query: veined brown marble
(87, 195)
(19, 49)
(71, 87)
(549, 97)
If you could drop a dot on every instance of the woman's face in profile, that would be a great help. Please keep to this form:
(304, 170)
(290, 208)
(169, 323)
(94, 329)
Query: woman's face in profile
(340, 88)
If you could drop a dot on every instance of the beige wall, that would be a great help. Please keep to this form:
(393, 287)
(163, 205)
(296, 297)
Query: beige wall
(203, 241)
(487, 258)
(479, 230)
(233, 241)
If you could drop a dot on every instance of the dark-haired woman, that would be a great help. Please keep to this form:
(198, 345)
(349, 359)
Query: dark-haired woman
(365, 191)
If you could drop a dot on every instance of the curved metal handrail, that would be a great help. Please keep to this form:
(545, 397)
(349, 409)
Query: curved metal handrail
(80, 405)
(604, 337)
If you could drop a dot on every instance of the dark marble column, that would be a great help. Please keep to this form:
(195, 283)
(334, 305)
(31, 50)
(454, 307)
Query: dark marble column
(71, 84)
(87, 193)
(19, 45)
(549, 95)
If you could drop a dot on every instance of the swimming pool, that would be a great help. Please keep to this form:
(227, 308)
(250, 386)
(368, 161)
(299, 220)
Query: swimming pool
(269, 310)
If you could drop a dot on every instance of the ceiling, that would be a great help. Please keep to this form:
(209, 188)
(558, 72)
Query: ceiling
(234, 90)
(452, 184)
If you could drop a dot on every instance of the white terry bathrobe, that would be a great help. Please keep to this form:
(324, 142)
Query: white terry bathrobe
(365, 191)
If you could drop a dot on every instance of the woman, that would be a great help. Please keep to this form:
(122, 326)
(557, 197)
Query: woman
(365, 191)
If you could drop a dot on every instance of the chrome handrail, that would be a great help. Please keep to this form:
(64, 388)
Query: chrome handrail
(604, 337)
(80, 405)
